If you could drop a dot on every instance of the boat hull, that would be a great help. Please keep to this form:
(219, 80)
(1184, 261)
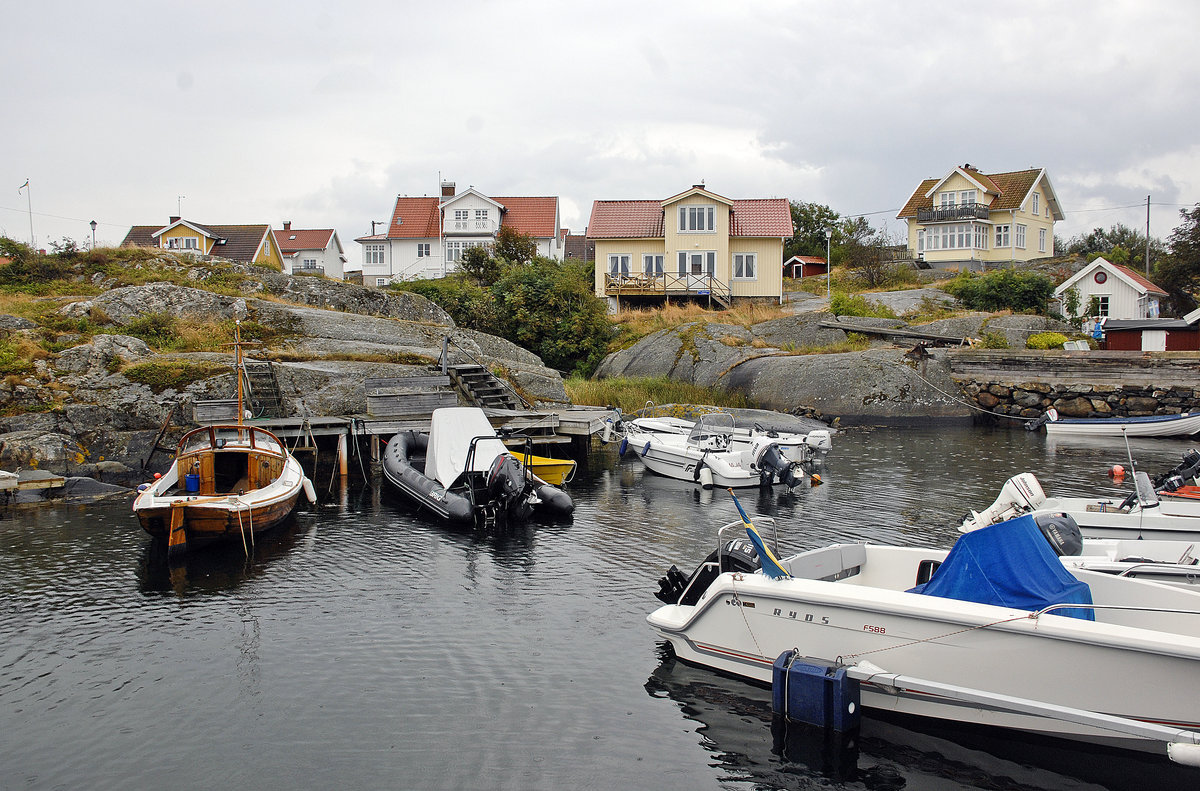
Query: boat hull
(745, 621)
(1158, 426)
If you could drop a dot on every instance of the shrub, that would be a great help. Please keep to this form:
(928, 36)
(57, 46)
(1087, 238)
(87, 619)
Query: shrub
(993, 340)
(470, 305)
(163, 375)
(158, 330)
(842, 304)
(1046, 340)
(13, 361)
(632, 394)
(1004, 289)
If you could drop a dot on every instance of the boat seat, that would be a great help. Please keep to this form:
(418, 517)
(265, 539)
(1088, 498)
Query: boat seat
(828, 564)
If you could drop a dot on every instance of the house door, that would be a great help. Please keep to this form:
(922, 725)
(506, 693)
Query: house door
(1154, 340)
(700, 267)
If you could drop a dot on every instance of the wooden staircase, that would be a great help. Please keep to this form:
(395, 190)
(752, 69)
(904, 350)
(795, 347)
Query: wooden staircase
(482, 388)
(262, 389)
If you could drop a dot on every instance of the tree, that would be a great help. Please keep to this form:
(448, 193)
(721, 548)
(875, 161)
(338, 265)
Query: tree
(514, 246)
(810, 221)
(1116, 241)
(478, 264)
(1179, 273)
(550, 309)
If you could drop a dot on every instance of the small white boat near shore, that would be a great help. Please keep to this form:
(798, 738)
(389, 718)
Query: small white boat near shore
(1183, 425)
(711, 451)
(999, 614)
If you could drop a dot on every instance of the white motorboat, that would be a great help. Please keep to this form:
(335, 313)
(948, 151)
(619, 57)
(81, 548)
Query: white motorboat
(1002, 615)
(713, 452)
(1183, 425)
(1147, 513)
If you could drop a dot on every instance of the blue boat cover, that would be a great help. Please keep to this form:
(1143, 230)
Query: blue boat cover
(1011, 565)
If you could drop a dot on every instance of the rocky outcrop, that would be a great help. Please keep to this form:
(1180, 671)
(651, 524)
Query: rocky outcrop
(80, 414)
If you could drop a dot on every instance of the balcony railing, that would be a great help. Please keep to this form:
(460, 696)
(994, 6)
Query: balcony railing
(470, 227)
(970, 211)
(668, 285)
(309, 270)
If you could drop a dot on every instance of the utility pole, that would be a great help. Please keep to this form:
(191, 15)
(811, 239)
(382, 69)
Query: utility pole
(1147, 236)
(29, 202)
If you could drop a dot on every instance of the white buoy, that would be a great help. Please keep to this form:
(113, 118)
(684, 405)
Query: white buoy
(706, 479)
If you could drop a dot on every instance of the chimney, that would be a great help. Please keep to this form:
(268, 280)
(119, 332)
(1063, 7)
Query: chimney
(287, 225)
(173, 221)
(699, 186)
(447, 189)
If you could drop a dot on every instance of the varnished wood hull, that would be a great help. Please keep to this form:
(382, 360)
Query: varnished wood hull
(207, 523)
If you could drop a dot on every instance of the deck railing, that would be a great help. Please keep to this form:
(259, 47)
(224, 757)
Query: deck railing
(969, 211)
(668, 285)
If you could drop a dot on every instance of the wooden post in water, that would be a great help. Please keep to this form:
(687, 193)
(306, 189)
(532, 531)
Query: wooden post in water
(343, 461)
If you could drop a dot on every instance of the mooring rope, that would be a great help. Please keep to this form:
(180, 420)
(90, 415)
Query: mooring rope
(951, 397)
(843, 659)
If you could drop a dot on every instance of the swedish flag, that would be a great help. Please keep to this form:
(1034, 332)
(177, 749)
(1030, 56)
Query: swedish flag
(770, 564)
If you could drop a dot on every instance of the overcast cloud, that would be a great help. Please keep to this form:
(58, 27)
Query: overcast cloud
(321, 113)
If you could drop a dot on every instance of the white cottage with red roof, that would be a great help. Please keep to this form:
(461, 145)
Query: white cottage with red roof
(311, 252)
(1120, 292)
(696, 245)
(427, 236)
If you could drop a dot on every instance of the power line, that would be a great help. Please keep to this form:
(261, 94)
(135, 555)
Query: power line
(60, 217)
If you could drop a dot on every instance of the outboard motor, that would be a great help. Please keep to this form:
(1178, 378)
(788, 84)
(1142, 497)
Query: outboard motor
(772, 464)
(506, 482)
(1062, 532)
(1178, 476)
(1021, 493)
(736, 555)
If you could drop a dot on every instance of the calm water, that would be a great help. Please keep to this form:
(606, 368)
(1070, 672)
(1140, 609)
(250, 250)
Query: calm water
(363, 647)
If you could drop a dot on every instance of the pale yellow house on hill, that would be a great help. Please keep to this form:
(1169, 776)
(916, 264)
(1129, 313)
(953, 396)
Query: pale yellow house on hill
(696, 245)
(968, 219)
(250, 244)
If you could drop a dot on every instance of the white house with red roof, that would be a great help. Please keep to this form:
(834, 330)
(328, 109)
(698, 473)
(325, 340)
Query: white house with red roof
(428, 235)
(1120, 292)
(696, 245)
(311, 252)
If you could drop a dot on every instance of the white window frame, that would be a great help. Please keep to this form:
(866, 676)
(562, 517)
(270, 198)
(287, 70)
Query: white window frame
(373, 254)
(1041, 240)
(191, 243)
(1103, 303)
(619, 264)
(381, 281)
(422, 250)
(948, 199)
(1020, 241)
(1002, 236)
(1035, 204)
(462, 214)
(981, 236)
(920, 240)
(308, 263)
(747, 264)
(968, 197)
(697, 219)
(652, 264)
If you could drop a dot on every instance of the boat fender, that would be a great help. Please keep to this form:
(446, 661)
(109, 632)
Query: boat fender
(310, 492)
(706, 477)
(1184, 753)
(646, 448)
(1062, 532)
(624, 446)
(554, 500)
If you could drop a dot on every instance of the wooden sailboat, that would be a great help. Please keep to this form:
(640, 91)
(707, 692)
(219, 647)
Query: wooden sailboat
(228, 482)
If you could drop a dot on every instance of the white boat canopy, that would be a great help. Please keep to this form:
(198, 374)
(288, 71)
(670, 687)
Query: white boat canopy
(450, 433)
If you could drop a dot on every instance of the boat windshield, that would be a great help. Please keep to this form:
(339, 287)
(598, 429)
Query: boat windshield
(230, 438)
(716, 428)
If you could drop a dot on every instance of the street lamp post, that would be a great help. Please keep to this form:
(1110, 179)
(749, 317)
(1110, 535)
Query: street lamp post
(93, 224)
(828, 269)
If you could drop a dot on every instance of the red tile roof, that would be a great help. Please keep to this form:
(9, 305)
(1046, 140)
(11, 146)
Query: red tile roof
(636, 219)
(625, 219)
(415, 218)
(1139, 279)
(292, 240)
(534, 216)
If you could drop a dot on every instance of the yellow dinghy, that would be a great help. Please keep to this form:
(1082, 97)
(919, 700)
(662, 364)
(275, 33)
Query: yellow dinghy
(555, 472)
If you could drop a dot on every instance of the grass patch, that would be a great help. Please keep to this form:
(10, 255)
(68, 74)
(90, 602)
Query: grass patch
(633, 325)
(164, 375)
(15, 359)
(844, 304)
(632, 394)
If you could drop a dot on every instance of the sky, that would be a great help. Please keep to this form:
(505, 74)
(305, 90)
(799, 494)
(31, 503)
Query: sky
(322, 113)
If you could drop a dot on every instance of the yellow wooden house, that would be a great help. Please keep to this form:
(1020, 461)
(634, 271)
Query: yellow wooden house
(250, 244)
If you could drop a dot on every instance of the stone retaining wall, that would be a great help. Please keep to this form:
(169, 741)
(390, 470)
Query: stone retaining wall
(1079, 384)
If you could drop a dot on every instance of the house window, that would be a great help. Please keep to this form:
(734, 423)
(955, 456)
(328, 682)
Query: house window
(697, 264)
(967, 197)
(172, 243)
(652, 265)
(1102, 304)
(745, 266)
(1041, 240)
(618, 264)
(191, 243)
(948, 199)
(308, 263)
(422, 250)
(1021, 236)
(1035, 204)
(921, 240)
(462, 214)
(981, 236)
(697, 218)
(381, 281)
(266, 250)
(373, 254)
(481, 214)
(1002, 232)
